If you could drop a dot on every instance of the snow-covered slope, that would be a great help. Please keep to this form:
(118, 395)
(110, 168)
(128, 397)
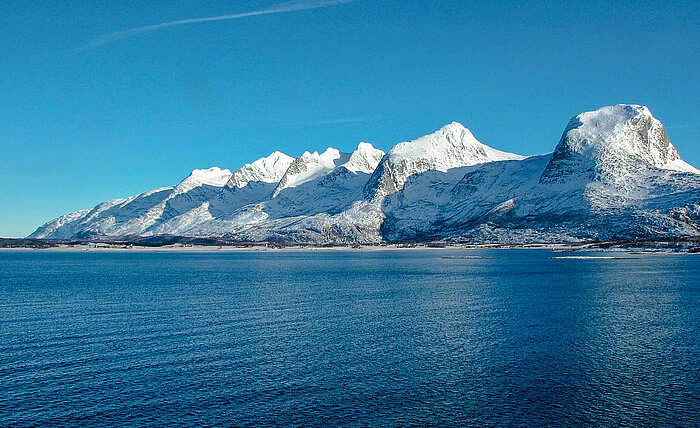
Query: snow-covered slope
(309, 166)
(213, 176)
(613, 175)
(611, 144)
(364, 159)
(312, 203)
(135, 215)
(269, 169)
(450, 147)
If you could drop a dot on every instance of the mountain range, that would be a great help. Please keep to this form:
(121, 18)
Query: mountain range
(613, 175)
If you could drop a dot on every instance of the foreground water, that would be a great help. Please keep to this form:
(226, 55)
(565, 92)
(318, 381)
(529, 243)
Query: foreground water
(348, 338)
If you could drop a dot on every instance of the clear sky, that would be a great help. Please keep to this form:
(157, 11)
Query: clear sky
(87, 115)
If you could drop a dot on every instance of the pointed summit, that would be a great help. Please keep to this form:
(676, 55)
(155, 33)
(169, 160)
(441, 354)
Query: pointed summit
(307, 167)
(310, 166)
(365, 159)
(452, 146)
(269, 169)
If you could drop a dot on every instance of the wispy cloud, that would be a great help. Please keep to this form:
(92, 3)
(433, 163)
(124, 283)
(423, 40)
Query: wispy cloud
(290, 6)
(286, 7)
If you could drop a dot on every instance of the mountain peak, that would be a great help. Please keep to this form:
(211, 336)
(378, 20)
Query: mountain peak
(614, 141)
(213, 176)
(307, 167)
(610, 175)
(454, 127)
(310, 166)
(451, 146)
(364, 159)
(207, 173)
(364, 147)
(269, 169)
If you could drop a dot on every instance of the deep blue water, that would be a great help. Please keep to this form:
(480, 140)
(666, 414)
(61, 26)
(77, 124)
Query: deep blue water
(348, 338)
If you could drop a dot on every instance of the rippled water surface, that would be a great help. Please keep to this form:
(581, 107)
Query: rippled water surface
(348, 338)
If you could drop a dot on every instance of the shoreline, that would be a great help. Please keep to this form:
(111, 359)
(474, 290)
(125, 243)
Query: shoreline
(558, 250)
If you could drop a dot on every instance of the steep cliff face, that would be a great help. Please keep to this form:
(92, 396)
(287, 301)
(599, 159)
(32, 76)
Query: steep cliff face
(611, 145)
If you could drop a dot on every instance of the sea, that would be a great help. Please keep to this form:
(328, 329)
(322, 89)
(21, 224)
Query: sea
(432, 337)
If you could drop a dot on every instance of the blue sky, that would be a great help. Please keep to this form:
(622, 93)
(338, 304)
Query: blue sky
(82, 121)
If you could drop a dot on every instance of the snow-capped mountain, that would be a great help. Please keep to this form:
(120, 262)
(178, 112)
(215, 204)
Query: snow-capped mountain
(450, 147)
(134, 216)
(613, 175)
(311, 202)
(307, 167)
(612, 144)
(269, 169)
